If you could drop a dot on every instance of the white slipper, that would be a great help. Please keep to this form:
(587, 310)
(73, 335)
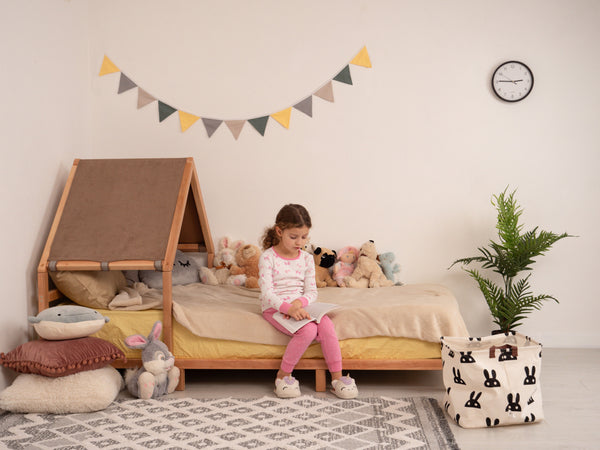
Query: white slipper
(287, 387)
(345, 387)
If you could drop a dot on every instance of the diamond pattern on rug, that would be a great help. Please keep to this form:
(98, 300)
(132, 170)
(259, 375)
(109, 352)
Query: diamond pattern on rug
(302, 423)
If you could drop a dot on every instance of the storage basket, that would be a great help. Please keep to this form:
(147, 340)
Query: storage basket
(492, 380)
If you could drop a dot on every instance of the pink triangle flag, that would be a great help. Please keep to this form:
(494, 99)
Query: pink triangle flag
(235, 126)
(326, 92)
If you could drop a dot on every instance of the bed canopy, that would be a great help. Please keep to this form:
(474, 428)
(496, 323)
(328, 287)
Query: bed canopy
(126, 214)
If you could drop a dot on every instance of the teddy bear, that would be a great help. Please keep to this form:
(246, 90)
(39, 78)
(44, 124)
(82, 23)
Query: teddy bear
(324, 259)
(224, 259)
(345, 264)
(158, 375)
(367, 273)
(386, 261)
(246, 263)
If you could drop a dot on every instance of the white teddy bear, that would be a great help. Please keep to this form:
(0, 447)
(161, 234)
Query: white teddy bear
(224, 258)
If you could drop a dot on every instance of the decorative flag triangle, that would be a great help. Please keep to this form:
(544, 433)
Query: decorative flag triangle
(259, 124)
(125, 84)
(326, 92)
(211, 125)
(344, 76)
(164, 111)
(362, 58)
(108, 67)
(235, 126)
(186, 120)
(283, 117)
(305, 106)
(144, 98)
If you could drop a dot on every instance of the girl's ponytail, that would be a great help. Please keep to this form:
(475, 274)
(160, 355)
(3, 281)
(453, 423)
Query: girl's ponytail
(270, 238)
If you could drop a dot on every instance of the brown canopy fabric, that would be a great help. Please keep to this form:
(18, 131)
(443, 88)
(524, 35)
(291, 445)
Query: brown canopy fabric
(120, 209)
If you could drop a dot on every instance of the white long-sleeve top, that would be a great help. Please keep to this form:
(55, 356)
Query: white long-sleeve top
(284, 280)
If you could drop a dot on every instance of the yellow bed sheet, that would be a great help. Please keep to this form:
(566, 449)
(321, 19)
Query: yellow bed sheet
(187, 345)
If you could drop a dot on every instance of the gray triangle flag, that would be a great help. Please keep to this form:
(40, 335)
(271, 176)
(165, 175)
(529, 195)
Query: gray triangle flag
(125, 83)
(305, 106)
(211, 125)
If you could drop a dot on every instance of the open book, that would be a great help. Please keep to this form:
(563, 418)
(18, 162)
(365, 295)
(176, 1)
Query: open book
(316, 311)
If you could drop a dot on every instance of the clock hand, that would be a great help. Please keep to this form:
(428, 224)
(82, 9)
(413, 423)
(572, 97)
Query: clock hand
(509, 81)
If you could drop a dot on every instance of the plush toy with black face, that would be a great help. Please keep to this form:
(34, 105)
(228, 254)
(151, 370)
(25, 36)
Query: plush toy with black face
(324, 259)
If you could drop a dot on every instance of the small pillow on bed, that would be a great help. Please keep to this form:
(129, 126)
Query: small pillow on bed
(185, 271)
(78, 393)
(61, 358)
(91, 289)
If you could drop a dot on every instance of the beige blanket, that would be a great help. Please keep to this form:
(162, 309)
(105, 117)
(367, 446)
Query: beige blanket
(419, 311)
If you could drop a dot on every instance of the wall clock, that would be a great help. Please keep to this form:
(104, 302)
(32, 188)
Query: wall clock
(512, 81)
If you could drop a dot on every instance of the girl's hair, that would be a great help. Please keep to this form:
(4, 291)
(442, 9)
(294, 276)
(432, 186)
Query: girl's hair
(290, 216)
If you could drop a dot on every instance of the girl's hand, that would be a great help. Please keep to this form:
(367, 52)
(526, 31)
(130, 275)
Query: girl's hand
(297, 312)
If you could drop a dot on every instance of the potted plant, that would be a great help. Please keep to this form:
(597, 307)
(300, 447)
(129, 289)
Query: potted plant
(513, 254)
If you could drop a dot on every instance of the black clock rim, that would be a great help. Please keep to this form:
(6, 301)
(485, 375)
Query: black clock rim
(509, 62)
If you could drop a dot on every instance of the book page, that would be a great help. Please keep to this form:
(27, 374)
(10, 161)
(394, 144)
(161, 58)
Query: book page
(316, 310)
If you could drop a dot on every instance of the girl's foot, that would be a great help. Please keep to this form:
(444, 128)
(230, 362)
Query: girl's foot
(344, 387)
(287, 387)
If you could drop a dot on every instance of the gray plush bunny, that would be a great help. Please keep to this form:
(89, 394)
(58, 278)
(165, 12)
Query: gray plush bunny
(158, 375)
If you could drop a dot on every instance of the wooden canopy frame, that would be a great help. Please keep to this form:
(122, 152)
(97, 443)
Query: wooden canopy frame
(127, 214)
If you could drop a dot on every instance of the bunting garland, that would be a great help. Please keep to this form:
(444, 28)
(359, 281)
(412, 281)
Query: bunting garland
(283, 117)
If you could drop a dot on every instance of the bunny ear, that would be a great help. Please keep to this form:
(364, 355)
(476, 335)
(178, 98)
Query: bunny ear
(224, 242)
(237, 244)
(136, 341)
(156, 330)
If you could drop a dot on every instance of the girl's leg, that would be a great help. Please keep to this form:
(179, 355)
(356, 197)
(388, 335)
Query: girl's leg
(330, 346)
(297, 345)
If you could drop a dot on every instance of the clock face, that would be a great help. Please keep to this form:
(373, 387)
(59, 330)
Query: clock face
(512, 81)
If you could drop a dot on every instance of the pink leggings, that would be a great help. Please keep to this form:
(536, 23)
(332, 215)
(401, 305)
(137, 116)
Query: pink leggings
(323, 332)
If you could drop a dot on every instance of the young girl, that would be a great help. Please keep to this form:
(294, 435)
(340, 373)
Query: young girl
(287, 284)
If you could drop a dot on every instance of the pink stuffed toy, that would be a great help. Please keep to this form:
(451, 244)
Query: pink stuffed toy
(344, 267)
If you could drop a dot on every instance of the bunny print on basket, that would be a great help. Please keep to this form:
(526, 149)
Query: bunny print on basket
(158, 374)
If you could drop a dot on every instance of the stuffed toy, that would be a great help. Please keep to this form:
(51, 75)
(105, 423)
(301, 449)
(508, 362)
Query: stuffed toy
(185, 271)
(224, 259)
(158, 375)
(246, 263)
(324, 259)
(67, 322)
(345, 264)
(386, 261)
(367, 273)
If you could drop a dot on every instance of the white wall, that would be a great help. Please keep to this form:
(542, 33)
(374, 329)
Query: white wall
(409, 156)
(44, 124)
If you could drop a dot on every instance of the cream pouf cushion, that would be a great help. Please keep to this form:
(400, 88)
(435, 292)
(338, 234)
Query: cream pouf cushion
(81, 392)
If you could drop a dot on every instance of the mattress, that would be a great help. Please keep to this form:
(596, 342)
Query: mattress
(187, 345)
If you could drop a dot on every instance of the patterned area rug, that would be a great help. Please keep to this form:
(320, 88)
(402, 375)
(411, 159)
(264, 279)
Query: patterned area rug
(227, 423)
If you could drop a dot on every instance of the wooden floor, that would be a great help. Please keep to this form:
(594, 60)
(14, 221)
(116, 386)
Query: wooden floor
(570, 385)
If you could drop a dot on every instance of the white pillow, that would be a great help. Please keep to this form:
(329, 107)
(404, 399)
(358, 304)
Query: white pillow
(81, 392)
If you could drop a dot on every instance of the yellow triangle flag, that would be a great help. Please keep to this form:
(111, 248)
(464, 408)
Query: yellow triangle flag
(186, 120)
(362, 58)
(108, 67)
(283, 117)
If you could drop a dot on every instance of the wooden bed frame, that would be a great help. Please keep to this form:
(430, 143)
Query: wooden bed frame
(189, 231)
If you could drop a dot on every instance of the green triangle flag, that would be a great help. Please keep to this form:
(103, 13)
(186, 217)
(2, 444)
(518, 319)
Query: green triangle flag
(164, 111)
(259, 124)
(344, 76)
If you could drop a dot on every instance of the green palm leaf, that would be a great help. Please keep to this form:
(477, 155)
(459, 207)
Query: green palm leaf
(514, 253)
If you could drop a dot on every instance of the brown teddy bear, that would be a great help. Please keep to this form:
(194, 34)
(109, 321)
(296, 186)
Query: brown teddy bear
(324, 259)
(246, 258)
(367, 273)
